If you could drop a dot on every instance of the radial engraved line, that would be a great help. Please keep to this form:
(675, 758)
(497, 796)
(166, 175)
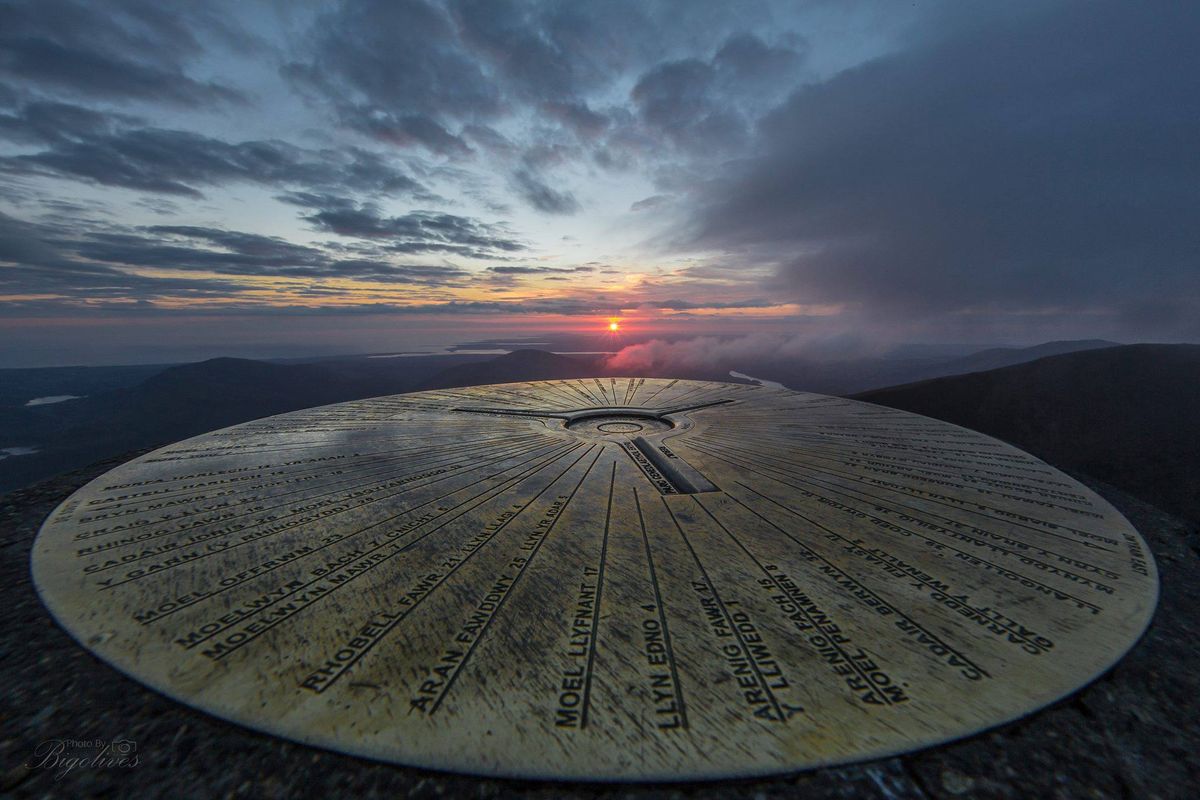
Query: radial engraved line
(764, 447)
(780, 715)
(584, 388)
(550, 386)
(831, 641)
(163, 492)
(245, 529)
(1079, 601)
(662, 614)
(660, 389)
(354, 479)
(891, 504)
(458, 667)
(402, 549)
(900, 489)
(587, 684)
(391, 625)
(957, 535)
(111, 584)
(500, 488)
(192, 528)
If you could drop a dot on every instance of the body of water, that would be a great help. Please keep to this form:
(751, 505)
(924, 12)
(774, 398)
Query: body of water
(54, 398)
(759, 381)
(6, 452)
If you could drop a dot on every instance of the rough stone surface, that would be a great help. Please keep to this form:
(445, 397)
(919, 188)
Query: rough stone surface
(1135, 733)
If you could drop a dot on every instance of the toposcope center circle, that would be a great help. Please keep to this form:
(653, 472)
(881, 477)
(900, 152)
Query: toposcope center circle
(600, 579)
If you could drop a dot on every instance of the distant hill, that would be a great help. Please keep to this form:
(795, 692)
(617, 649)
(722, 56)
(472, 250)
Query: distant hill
(849, 376)
(127, 408)
(180, 401)
(519, 365)
(19, 386)
(997, 357)
(1128, 415)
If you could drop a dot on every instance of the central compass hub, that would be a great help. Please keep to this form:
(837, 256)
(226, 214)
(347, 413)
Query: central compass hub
(609, 423)
(620, 427)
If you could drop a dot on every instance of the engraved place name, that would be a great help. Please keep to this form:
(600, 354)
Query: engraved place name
(664, 688)
(252, 530)
(334, 576)
(669, 706)
(656, 478)
(1137, 559)
(860, 593)
(1014, 632)
(1090, 539)
(438, 676)
(858, 669)
(218, 477)
(575, 678)
(668, 471)
(322, 678)
(979, 543)
(756, 672)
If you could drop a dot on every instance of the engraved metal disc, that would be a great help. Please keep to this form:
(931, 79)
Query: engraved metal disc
(600, 579)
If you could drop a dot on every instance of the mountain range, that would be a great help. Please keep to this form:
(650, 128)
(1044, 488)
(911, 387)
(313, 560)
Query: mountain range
(1129, 416)
(1125, 414)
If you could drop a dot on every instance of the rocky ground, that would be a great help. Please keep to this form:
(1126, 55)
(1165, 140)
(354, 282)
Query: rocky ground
(1135, 733)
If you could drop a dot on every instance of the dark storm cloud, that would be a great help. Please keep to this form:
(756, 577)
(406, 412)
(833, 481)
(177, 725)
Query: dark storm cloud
(564, 306)
(55, 259)
(647, 203)
(259, 254)
(676, 95)
(489, 138)
(409, 129)
(442, 75)
(426, 274)
(44, 122)
(392, 69)
(32, 246)
(706, 105)
(745, 60)
(94, 147)
(122, 51)
(578, 117)
(522, 270)
(464, 61)
(512, 275)
(692, 305)
(35, 259)
(537, 194)
(1047, 162)
(183, 247)
(414, 232)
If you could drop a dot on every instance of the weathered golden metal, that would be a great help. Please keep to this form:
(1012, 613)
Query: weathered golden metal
(600, 579)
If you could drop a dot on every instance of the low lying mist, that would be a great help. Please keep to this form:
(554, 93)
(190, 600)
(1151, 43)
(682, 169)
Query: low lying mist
(713, 352)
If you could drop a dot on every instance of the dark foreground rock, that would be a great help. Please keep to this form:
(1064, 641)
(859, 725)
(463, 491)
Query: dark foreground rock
(1135, 733)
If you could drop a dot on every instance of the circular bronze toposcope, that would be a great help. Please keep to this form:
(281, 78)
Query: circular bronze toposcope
(601, 579)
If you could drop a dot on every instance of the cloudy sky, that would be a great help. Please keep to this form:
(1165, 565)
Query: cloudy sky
(277, 178)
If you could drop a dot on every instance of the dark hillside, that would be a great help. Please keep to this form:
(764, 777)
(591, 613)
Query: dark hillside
(1127, 415)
